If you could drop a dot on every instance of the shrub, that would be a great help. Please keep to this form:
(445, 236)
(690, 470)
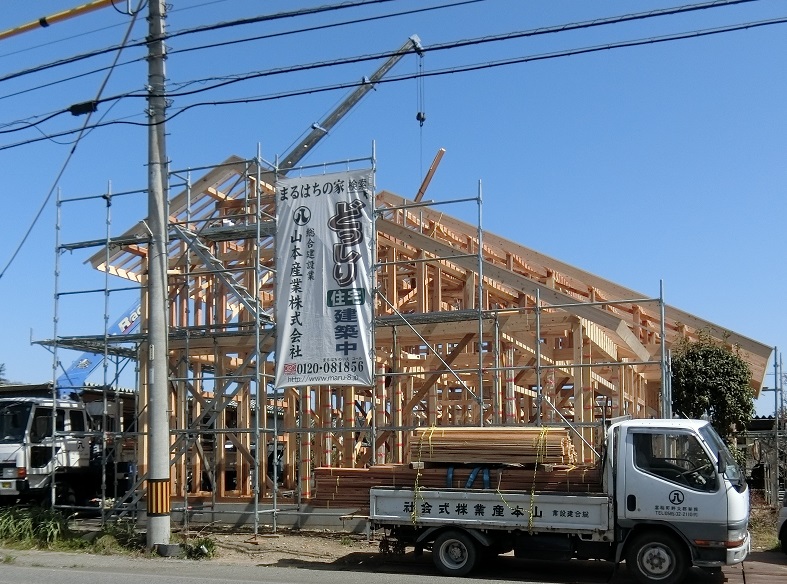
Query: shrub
(199, 549)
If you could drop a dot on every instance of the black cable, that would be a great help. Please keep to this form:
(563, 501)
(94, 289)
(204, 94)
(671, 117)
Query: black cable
(125, 13)
(248, 39)
(83, 132)
(436, 73)
(207, 28)
(575, 26)
(469, 42)
(433, 48)
(331, 25)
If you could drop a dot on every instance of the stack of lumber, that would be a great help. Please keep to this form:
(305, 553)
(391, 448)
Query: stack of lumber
(493, 445)
(349, 487)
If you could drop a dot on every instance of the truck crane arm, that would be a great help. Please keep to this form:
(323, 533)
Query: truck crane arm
(319, 130)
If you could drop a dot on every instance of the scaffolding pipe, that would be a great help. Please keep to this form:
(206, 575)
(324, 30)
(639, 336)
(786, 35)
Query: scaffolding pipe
(480, 302)
(105, 362)
(55, 323)
(257, 381)
(666, 381)
(539, 397)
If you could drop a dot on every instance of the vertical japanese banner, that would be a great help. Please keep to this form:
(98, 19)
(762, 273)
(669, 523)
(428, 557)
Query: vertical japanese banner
(324, 279)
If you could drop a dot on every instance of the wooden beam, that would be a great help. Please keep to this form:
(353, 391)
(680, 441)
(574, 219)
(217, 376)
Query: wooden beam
(428, 178)
(430, 381)
(617, 328)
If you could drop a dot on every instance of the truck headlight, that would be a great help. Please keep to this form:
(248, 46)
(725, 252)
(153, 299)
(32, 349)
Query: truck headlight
(736, 537)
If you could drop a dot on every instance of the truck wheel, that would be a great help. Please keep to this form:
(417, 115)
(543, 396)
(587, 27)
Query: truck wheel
(454, 553)
(658, 558)
(65, 495)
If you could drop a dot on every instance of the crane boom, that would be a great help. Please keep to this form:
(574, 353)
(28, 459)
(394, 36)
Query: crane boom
(319, 130)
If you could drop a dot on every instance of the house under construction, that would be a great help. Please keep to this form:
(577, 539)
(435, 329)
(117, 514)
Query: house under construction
(470, 329)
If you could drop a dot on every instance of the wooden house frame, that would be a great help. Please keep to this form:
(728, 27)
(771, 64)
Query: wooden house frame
(471, 329)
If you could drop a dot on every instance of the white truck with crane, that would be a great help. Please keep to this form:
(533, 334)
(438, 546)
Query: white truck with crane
(47, 443)
(671, 497)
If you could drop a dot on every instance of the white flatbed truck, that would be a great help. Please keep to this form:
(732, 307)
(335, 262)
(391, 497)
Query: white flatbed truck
(672, 497)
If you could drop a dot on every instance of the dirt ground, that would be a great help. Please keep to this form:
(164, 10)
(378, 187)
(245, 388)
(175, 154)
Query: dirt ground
(285, 546)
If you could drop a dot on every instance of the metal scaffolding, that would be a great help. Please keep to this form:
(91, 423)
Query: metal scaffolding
(470, 330)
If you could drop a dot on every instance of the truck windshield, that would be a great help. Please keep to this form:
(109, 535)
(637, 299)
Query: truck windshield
(13, 422)
(732, 470)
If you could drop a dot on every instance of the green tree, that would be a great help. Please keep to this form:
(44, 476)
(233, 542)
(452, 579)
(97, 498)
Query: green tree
(2, 373)
(710, 379)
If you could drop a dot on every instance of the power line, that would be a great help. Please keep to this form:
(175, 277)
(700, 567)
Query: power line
(329, 26)
(248, 39)
(472, 42)
(437, 73)
(206, 28)
(97, 30)
(290, 14)
(85, 129)
(434, 48)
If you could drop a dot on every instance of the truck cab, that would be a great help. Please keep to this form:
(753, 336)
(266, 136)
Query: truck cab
(681, 498)
(41, 438)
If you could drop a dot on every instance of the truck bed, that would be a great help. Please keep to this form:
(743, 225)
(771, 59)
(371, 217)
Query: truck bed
(490, 509)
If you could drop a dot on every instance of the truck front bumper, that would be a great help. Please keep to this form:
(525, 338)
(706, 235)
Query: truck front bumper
(11, 487)
(718, 557)
(738, 554)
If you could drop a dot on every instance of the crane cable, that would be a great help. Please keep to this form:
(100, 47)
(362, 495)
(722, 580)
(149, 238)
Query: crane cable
(421, 113)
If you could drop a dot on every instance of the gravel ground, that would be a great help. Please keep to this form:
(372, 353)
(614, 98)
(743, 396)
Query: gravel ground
(287, 546)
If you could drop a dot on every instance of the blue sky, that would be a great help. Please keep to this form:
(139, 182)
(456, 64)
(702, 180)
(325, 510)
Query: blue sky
(662, 162)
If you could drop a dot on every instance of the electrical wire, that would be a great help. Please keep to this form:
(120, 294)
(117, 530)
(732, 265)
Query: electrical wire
(97, 30)
(434, 48)
(546, 30)
(85, 128)
(332, 25)
(200, 29)
(434, 73)
(464, 43)
(171, 53)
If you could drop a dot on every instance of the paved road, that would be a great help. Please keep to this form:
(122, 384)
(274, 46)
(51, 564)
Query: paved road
(35, 567)
(759, 568)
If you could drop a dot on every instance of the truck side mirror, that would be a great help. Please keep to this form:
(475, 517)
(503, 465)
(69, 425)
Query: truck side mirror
(722, 464)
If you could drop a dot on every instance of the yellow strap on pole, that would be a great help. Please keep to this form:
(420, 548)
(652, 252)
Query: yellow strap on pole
(45, 21)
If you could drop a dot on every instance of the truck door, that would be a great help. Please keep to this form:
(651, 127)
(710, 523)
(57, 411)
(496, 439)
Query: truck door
(667, 476)
(41, 435)
(75, 441)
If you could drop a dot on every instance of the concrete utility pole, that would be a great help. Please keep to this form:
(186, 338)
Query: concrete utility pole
(158, 487)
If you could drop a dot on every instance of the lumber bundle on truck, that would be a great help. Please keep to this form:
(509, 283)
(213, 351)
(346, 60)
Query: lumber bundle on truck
(349, 487)
(492, 445)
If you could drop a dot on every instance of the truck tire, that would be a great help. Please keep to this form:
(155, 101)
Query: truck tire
(65, 495)
(657, 558)
(454, 553)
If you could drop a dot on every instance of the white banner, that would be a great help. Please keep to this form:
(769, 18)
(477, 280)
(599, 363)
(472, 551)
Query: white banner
(324, 277)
